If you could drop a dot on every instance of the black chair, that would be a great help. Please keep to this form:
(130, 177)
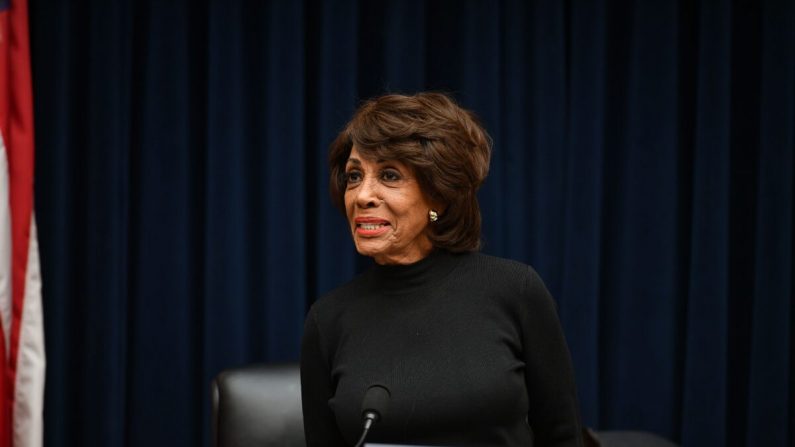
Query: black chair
(260, 406)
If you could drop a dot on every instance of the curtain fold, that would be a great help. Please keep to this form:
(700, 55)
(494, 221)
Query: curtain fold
(706, 311)
(769, 400)
(643, 163)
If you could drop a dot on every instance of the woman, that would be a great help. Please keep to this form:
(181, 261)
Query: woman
(469, 346)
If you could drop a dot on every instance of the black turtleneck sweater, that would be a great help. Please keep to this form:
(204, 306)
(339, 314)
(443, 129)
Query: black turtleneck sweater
(469, 346)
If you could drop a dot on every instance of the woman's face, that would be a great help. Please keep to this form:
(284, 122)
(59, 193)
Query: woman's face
(387, 211)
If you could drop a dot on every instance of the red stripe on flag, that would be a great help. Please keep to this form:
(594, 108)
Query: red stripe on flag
(20, 159)
(16, 120)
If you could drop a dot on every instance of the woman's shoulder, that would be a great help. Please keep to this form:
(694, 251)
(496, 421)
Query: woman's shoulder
(341, 295)
(504, 268)
(506, 277)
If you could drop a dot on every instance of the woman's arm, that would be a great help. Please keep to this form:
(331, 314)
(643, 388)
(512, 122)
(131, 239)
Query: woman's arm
(554, 412)
(320, 426)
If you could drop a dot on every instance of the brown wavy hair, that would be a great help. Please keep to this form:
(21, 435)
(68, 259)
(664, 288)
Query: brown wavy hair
(444, 144)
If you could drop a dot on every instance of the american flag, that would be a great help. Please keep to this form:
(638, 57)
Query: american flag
(22, 359)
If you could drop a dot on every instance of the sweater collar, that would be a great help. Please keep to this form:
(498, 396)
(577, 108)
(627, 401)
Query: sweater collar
(425, 272)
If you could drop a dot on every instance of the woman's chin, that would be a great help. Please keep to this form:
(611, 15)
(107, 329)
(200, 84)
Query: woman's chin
(368, 246)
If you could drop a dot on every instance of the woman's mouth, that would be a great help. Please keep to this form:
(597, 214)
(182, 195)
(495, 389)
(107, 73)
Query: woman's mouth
(371, 227)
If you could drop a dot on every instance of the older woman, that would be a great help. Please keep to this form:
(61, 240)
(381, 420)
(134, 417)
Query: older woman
(468, 346)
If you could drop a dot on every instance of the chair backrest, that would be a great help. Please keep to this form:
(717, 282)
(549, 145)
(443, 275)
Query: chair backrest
(258, 405)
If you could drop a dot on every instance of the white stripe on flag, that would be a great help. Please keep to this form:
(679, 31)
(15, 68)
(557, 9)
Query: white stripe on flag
(5, 249)
(29, 392)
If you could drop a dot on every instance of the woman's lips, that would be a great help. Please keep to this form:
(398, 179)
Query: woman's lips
(370, 226)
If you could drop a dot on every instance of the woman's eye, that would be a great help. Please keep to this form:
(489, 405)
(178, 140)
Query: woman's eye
(353, 177)
(390, 175)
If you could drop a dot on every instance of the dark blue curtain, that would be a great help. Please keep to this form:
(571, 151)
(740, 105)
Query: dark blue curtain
(643, 164)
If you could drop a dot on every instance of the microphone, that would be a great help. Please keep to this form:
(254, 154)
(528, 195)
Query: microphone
(374, 405)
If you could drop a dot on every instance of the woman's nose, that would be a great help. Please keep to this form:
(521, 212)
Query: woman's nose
(369, 193)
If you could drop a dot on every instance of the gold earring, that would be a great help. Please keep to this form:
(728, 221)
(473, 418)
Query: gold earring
(433, 215)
